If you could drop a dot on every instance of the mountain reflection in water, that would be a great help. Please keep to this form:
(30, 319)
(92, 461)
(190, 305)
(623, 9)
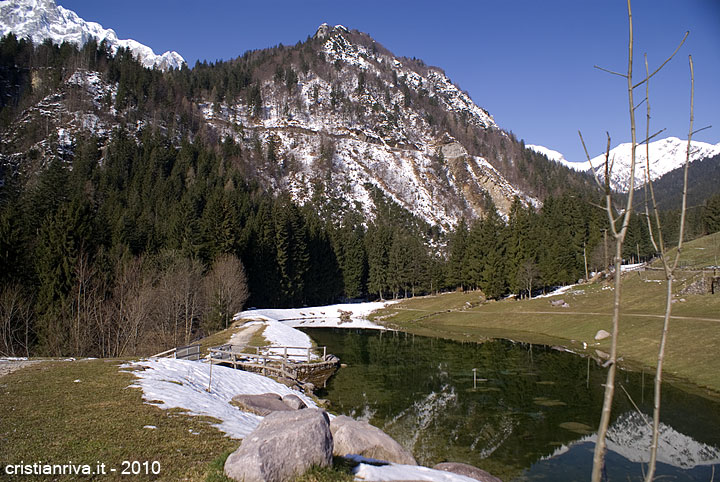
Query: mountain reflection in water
(531, 413)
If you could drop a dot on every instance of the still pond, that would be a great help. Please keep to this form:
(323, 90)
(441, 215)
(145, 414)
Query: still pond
(527, 412)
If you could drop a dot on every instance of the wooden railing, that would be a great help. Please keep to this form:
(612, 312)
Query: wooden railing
(188, 352)
(274, 360)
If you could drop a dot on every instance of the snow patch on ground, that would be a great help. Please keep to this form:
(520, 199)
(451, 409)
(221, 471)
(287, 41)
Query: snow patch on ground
(367, 470)
(559, 291)
(330, 316)
(171, 383)
(631, 267)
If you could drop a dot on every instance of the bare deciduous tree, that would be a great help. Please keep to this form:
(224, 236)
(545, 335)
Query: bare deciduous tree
(226, 291)
(180, 302)
(15, 320)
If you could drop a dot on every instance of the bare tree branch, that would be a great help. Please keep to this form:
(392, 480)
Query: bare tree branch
(610, 71)
(649, 138)
(666, 61)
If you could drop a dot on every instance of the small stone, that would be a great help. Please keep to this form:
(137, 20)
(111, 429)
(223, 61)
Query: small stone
(602, 334)
(294, 402)
(260, 404)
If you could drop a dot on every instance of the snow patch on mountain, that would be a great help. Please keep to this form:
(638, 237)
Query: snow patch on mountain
(43, 19)
(665, 155)
(558, 157)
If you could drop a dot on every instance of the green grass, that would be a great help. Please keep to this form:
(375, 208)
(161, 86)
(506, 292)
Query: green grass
(48, 416)
(694, 338)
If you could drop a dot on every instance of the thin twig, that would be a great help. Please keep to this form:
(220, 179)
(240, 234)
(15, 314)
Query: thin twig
(641, 103)
(610, 71)
(700, 130)
(636, 407)
(649, 138)
(666, 61)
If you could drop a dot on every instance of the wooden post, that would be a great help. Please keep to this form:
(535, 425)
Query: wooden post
(324, 352)
(210, 379)
(308, 355)
(474, 378)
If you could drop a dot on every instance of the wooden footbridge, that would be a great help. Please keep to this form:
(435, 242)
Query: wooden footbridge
(298, 364)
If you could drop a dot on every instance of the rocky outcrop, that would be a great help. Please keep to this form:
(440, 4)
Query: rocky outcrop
(467, 471)
(355, 437)
(283, 446)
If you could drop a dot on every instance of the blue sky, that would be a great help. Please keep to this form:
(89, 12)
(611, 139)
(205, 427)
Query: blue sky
(529, 63)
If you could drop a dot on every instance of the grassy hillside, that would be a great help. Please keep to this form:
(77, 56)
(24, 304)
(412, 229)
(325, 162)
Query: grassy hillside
(694, 330)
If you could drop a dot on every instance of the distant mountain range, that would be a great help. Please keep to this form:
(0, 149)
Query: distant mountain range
(43, 19)
(665, 156)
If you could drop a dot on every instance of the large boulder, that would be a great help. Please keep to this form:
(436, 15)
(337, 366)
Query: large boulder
(467, 471)
(283, 446)
(354, 437)
(261, 405)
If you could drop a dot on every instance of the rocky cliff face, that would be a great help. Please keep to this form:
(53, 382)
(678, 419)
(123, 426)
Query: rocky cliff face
(347, 118)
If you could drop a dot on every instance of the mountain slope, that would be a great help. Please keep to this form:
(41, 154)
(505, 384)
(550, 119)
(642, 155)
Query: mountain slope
(347, 118)
(703, 176)
(43, 19)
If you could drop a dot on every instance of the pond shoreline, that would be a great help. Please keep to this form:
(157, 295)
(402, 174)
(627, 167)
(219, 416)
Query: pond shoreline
(448, 316)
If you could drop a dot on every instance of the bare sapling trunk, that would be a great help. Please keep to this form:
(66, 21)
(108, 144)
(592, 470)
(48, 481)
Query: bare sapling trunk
(669, 268)
(618, 226)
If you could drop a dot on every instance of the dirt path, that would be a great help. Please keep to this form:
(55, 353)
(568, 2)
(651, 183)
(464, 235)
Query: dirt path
(244, 334)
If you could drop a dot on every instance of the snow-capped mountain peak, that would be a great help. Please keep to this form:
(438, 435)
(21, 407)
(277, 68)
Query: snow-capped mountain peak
(44, 19)
(665, 155)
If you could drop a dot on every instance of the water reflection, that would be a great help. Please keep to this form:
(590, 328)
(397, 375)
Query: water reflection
(528, 414)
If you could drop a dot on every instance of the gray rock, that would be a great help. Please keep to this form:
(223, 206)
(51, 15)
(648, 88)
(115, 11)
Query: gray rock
(260, 404)
(467, 471)
(453, 150)
(294, 402)
(602, 334)
(354, 437)
(557, 302)
(283, 446)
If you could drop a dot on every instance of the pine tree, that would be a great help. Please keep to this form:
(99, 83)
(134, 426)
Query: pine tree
(458, 247)
(377, 245)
